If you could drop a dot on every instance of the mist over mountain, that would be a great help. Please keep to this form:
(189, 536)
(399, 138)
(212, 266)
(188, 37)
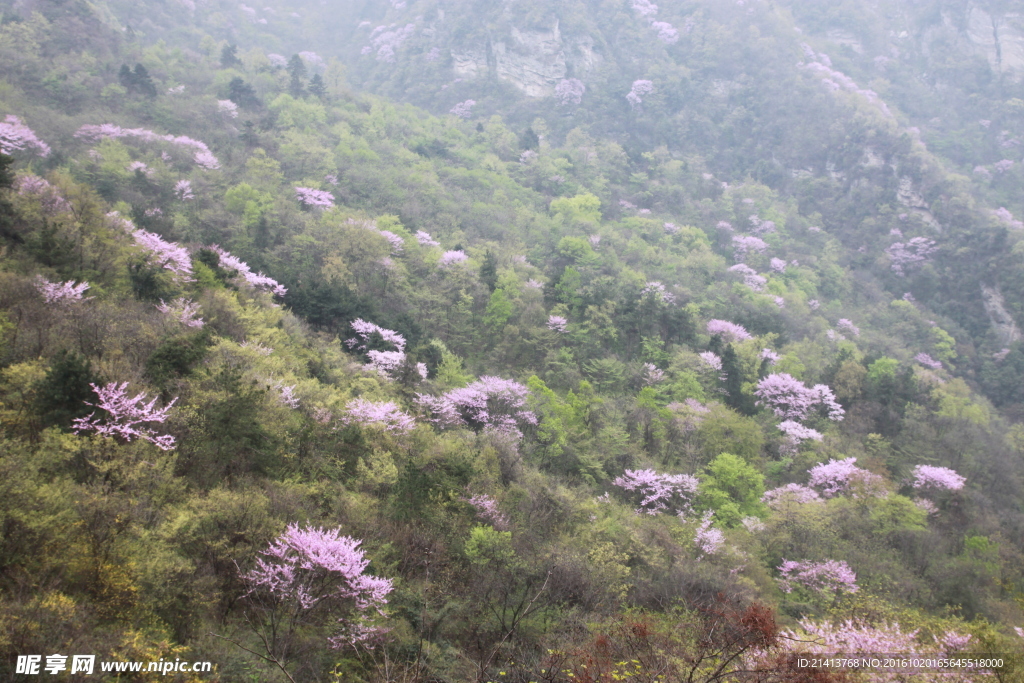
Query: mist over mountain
(511, 341)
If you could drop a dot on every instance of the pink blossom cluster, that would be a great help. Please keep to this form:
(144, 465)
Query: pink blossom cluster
(771, 356)
(185, 310)
(309, 196)
(569, 92)
(60, 292)
(492, 403)
(657, 291)
(385, 362)
(139, 167)
(640, 87)
(759, 226)
(487, 510)
(124, 417)
(15, 136)
(667, 33)
(750, 277)
(396, 242)
(450, 258)
(277, 61)
(183, 190)
(312, 59)
(729, 332)
(202, 154)
(168, 255)
(1005, 217)
(789, 398)
(983, 172)
(50, 199)
(1003, 166)
(831, 576)
(847, 326)
(286, 395)
(653, 374)
(672, 229)
(312, 566)
(790, 493)
(659, 492)
(916, 251)
(365, 330)
(228, 107)
(797, 432)
(711, 359)
(856, 637)
(645, 8)
(387, 414)
(557, 323)
(745, 244)
(778, 265)
(724, 225)
(937, 478)
(463, 109)
(836, 80)
(426, 240)
(594, 240)
(385, 41)
(842, 476)
(927, 361)
(708, 539)
(254, 280)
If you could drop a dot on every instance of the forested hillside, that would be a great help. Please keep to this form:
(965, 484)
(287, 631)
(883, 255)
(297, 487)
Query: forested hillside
(510, 342)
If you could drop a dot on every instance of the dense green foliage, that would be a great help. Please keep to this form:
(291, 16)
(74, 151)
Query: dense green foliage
(141, 553)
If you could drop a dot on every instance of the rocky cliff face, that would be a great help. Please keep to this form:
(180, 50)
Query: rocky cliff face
(998, 37)
(531, 60)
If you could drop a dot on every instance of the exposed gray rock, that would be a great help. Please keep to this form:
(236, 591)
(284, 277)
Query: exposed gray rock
(1002, 322)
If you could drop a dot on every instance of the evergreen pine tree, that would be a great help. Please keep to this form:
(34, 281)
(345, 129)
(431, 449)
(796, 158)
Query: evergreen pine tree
(229, 56)
(143, 82)
(296, 72)
(489, 271)
(317, 87)
(242, 94)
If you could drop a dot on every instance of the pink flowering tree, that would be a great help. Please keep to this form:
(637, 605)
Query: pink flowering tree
(659, 492)
(487, 510)
(386, 415)
(492, 404)
(790, 494)
(61, 293)
(750, 277)
(747, 244)
(313, 198)
(707, 538)
(569, 92)
(184, 310)
(558, 323)
(837, 477)
(240, 268)
(799, 433)
(314, 577)
(831, 576)
(183, 190)
(463, 109)
(450, 258)
(927, 361)
(425, 240)
(167, 255)
(903, 256)
(729, 332)
(640, 88)
(124, 418)
(15, 136)
(201, 153)
(787, 397)
(930, 478)
(50, 199)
